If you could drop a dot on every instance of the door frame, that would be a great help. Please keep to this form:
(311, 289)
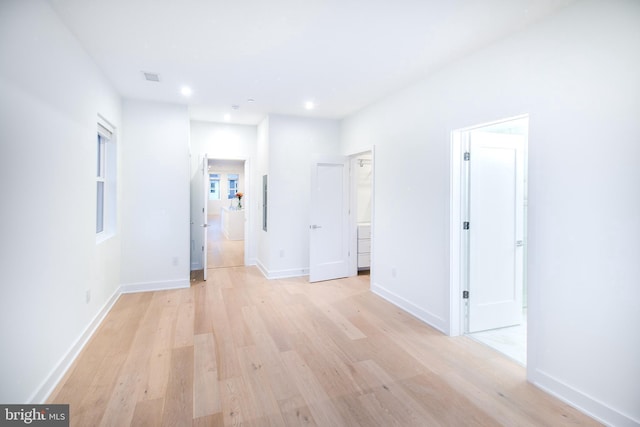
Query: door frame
(353, 206)
(250, 209)
(205, 214)
(458, 208)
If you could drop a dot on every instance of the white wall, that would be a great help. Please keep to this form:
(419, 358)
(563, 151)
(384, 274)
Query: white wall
(155, 196)
(292, 142)
(223, 141)
(576, 74)
(52, 94)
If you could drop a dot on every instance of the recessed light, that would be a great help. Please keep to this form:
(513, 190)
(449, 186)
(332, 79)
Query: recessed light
(227, 117)
(251, 100)
(186, 91)
(309, 105)
(235, 107)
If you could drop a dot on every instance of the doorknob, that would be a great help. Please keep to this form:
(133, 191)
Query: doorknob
(204, 225)
(314, 226)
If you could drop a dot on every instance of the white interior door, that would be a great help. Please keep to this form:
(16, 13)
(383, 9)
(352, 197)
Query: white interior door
(496, 230)
(205, 214)
(329, 226)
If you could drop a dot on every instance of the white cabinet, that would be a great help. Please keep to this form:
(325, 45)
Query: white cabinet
(364, 246)
(233, 223)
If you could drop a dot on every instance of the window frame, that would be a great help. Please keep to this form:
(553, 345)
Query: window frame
(106, 171)
(232, 190)
(214, 178)
(101, 183)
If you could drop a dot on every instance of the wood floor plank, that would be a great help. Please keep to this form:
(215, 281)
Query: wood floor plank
(259, 385)
(148, 413)
(295, 412)
(237, 407)
(178, 405)
(312, 391)
(184, 329)
(215, 420)
(202, 322)
(206, 392)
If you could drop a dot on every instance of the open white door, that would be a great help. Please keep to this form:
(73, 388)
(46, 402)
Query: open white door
(496, 230)
(329, 226)
(205, 214)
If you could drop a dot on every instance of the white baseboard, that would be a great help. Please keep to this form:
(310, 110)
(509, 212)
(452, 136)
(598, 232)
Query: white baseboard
(47, 387)
(50, 383)
(281, 274)
(427, 317)
(163, 285)
(262, 268)
(582, 402)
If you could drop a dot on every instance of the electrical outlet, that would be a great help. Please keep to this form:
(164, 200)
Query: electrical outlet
(393, 272)
(87, 296)
(281, 253)
(175, 261)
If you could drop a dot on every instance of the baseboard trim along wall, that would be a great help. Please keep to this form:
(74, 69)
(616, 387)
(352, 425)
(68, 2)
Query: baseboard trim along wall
(163, 285)
(582, 402)
(429, 318)
(47, 387)
(282, 274)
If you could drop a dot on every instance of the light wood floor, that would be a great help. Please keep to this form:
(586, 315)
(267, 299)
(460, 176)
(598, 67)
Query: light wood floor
(222, 252)
(242, 350)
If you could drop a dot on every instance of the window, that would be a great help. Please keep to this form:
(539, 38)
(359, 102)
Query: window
(100, 181)
(105, 181)
(214, 186)
(233, 184)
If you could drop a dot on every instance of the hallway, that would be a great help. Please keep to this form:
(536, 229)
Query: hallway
(222, 252)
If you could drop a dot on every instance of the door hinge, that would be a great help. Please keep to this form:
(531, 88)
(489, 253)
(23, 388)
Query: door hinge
(203, 249)
(465, 294)
(467, 156)
(465, 225)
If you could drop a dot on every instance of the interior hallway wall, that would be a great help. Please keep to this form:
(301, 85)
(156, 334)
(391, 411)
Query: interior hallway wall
(576, 74)
(155, 196)
(52, 93)
(291, 144)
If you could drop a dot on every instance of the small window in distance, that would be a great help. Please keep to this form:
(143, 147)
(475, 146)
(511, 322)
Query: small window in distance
(214, 186)
(233, 184)
(100, 181)
(105, 181)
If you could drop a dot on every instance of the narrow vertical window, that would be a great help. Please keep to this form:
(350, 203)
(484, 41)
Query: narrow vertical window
(100, 182)
(105, 181)
(214, 186)
(233, 184)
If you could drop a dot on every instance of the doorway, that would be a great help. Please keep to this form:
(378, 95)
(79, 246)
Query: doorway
(342, 217)
(226, 239)
(490, 198)
(362, 211)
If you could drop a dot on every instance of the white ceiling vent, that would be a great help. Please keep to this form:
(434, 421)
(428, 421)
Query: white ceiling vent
(151, 77)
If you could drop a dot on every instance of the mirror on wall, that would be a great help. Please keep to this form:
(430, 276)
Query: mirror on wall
(264, 202)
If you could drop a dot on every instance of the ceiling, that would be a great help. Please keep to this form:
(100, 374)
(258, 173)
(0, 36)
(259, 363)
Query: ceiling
(341, 54)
